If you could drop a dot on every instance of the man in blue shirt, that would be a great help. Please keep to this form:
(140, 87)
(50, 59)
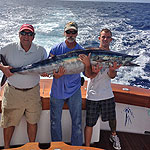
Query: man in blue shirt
(66, 88)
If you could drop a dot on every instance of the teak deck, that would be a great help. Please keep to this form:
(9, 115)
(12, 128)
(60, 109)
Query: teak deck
(53, 146)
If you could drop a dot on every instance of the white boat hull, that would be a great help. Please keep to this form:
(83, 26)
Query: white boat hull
(130, 118)
(43, 135)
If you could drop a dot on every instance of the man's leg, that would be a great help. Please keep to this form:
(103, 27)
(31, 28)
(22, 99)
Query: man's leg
(109, 114)
(112, 125)
(92, 114)
(113, 137)
(75, 108)
(56, 106)
(88, 135)
(32, 131)
(8, 132)
(32, 112)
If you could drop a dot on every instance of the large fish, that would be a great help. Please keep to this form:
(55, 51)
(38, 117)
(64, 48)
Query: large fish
(71, 63)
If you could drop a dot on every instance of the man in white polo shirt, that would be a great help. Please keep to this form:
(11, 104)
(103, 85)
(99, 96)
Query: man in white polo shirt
(22, 92)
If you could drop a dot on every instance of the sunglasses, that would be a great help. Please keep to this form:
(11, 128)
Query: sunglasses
(27, 33)
(71, 32)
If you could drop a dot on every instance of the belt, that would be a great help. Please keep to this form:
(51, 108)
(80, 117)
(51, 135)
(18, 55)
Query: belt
(26, 89)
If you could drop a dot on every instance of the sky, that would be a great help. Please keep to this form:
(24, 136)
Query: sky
(138, 1)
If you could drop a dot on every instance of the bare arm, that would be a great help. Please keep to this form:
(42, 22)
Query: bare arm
(95, 70)
(112, 70)
(6, 70)
(87, 65)
(90, 71)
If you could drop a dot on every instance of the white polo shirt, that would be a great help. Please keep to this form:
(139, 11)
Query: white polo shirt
(99, 88)
(16, 56)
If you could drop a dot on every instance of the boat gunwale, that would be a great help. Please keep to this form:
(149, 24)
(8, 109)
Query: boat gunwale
(131, 95)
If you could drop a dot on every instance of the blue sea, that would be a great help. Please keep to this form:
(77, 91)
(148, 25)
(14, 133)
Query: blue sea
(129, 22)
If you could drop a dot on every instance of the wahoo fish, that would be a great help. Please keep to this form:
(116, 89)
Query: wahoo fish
(71, 63)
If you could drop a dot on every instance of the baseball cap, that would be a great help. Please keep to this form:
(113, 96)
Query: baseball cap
(71, 25)
(27, 27)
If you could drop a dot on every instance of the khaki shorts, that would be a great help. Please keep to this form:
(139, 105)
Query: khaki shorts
(16, 103)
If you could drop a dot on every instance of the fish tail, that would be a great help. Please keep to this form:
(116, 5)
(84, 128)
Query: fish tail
(4, 78)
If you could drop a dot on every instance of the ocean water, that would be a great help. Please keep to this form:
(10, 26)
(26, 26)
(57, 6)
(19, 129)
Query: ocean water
(129, 22)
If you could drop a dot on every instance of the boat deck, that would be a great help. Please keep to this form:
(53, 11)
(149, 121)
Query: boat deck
(129, 141)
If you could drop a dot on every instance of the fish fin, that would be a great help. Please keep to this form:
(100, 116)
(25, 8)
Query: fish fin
(131, 64)
(4, 78)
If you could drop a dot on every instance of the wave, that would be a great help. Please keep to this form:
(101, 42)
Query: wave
(129, 23)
